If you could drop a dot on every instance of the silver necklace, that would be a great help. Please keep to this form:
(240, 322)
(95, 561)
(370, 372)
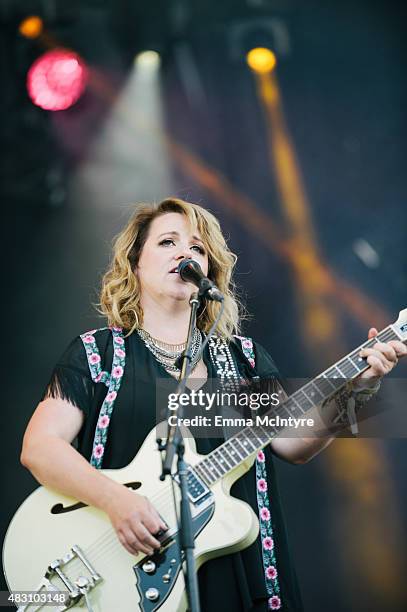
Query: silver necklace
(167, 354)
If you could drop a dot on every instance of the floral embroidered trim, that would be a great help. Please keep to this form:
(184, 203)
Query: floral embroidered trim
(112, 381)
(93, 356)
(248, 349)
(263, 505)
(266, 535)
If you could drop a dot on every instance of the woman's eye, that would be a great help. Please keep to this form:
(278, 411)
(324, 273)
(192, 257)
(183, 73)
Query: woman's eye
(199, 249)
(166, 241)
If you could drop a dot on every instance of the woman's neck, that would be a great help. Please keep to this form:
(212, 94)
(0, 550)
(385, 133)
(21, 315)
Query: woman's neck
(166, 322)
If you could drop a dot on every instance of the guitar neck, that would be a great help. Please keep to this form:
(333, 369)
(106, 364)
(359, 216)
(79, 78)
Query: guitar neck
(250, 440)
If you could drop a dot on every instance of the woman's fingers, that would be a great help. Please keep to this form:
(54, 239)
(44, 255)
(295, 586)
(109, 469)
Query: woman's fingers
(399, 347)
(381, 357)
(136, 522)
(378, 365)
(154, 521)
(146, 538)
(129, 544)
(386, 350)
(137, 540)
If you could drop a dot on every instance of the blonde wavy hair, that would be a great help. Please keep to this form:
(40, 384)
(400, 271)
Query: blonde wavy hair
(120, 292)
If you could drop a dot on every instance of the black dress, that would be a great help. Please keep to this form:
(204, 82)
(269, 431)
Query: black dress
(234, 581)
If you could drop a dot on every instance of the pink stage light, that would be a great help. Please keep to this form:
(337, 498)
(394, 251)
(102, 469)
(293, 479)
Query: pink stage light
(57, 79)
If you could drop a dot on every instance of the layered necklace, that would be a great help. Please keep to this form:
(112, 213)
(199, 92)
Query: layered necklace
(167, 354)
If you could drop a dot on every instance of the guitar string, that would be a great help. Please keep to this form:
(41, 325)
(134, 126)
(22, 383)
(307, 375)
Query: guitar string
(108, 543)
(157, 502)
(109, 538)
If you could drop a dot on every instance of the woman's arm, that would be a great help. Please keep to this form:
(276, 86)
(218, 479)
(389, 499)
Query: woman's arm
(48, 454)
(382, 358)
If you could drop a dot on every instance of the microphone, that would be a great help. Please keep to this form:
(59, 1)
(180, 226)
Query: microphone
(190, 271)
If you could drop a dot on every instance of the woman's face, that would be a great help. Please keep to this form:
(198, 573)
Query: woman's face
(170, 239)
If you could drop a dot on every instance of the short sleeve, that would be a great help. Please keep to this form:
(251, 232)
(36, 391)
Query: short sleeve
(71, 379)
(265, 366)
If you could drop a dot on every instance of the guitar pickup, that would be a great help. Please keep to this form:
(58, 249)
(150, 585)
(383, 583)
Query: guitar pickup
(197, 489)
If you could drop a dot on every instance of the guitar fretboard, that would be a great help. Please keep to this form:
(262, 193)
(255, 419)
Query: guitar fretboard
(252, 439)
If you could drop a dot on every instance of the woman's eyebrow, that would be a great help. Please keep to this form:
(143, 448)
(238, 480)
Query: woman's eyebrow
(176, 234)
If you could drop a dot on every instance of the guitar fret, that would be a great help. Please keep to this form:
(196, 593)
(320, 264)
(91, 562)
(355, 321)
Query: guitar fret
(252, 429)
(245, 443)
(213, 470)
(297, 403)
(335, 378)
(232, 458)
(311, 391)
(198, 469)
(210, 475)
(303, 400)
(235, 448)
(370, 343)
(336, 367)
(387, 334)
(207, 476)
(325, 386)
(243, 447)
(359, 362)
(252, 443)
(290, 406)
(224, 459)
(267, 432)
(333, 373)
(259, 430)
(348, 368)
(270, 430)
(218, 465)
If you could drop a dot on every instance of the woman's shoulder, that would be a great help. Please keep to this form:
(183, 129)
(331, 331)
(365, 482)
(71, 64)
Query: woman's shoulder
(251, 351)
(94, 340)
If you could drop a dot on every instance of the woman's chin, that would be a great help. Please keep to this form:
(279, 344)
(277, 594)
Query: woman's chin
(185, 297)
(181, 294)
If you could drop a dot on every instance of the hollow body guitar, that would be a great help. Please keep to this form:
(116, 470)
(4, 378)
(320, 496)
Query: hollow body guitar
(55, 543)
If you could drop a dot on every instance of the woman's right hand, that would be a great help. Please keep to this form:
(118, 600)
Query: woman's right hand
(135, 521)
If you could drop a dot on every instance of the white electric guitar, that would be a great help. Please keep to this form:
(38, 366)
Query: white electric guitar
(68, 555)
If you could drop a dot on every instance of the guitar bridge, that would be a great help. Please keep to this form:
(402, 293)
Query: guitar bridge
(73, 589)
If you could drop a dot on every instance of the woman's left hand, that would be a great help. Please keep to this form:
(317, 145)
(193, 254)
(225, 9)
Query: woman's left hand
(382, 357)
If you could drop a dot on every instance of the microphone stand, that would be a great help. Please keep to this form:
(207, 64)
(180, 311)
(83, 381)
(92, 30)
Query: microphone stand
(175, 445)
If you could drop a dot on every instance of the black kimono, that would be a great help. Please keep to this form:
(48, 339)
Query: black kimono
(235, 581)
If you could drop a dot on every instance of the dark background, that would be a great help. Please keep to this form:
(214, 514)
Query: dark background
(198, 130)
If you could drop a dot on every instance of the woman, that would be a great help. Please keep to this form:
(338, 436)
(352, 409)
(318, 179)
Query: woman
(143, 294)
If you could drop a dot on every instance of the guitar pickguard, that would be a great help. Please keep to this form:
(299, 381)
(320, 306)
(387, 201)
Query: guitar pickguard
(157, 574)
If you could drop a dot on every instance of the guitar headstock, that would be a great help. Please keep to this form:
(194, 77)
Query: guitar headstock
(401, 324)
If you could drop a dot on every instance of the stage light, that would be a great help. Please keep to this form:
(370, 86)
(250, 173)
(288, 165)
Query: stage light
(149, 60)
(57, 79)
(31, 27)
(261, 59)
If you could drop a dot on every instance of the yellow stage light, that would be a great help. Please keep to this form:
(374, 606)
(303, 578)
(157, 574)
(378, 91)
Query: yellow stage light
(149, 60)
(261, 60)
(31, 27)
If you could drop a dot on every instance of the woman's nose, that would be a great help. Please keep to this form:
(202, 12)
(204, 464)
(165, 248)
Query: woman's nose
(183, 253)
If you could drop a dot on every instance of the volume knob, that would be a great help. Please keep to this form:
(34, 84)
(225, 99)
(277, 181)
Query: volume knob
(149, 567)
(152, 594)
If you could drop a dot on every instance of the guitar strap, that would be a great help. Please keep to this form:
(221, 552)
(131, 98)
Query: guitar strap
(227, 371)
